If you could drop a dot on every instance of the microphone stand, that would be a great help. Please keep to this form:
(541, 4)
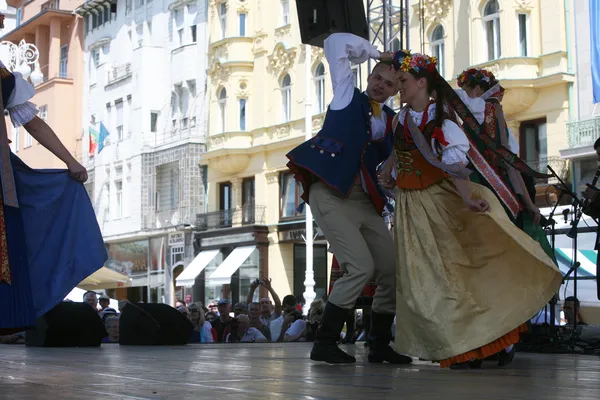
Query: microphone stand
(578, 212)
(554, 301)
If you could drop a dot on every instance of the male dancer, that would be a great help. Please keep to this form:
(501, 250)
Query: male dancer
(337, 169)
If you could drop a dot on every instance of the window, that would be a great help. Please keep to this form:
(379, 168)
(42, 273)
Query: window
(319, 270)
(242, 24)
(356, 73)
(222, 102)
(533, 142)
(119, 199)
(180, 36)
(119, 124)
(28, 140)
(242, 114)
(437, 48)
(16, 140)
(64, 58)
(395, 45)
(491, 28)
(248, 205)
(128, 6)
(285, 12)
(225, 200)
(43, 112)
(153, 121)
(286, 98)
(100, 19)
(193, 33)
(19, 16)
(174, 188)
(290, 196)
(319, 89)
(223, 19)
(523, 33)
(106, 14)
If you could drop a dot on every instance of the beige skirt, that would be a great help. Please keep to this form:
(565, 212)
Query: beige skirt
(464, 279)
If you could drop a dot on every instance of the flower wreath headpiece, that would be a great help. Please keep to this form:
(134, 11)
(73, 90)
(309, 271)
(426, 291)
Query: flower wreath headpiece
(405, 61)
(477, 75)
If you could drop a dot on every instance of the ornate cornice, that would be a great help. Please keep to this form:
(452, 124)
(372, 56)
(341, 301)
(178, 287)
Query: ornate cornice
(524, 5)
(317, 53)
(283, 30)
(282, 58)
(272, 177)
(434, 10)
(243, 88)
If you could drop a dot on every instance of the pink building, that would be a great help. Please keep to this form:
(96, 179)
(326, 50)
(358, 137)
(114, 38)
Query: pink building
(58, 34)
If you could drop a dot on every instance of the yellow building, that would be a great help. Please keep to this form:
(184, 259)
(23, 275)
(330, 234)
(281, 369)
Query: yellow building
(527, 47)
(257, 100)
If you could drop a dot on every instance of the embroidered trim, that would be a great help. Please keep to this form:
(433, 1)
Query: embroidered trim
(4, 264)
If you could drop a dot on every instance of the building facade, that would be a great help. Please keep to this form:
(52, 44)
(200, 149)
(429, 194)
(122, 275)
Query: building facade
(528, 48)
(584, 128)
(145, 133)
(57, 35)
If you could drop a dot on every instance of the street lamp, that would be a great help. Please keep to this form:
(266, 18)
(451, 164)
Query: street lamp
(19, 58)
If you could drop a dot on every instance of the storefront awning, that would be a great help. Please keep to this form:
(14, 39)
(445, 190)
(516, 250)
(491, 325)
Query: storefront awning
(105, 278)
(188, 276)
(222, 275)
(587, 259)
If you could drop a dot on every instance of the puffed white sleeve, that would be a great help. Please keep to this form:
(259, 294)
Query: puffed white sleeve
(20, 109)
(475, 105)
(458, 145)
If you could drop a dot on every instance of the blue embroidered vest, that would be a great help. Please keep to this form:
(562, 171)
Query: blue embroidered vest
(343, 148)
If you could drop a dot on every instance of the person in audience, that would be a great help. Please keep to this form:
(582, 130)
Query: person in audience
(122, 304)
(315, 314)
(225, 324)
(571, 307)
(91, 298)
(239, 309)
(104, 302)
(203, 330)
(245, 333)
(111, 323)
(269, 312)
(255, 320)
(184, 311)
(180, 303)
(107, 312)
(280, 325)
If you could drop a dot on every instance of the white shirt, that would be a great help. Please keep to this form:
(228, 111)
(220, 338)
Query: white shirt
(341, 49)
(251, 335)
(21, 111)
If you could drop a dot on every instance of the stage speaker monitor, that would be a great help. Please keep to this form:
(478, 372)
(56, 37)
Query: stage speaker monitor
(153, 324)
(67, 325)
(320, 18)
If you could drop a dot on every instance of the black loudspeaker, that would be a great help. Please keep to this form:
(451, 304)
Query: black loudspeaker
(67, 325)
(153, 324)
(320, 18)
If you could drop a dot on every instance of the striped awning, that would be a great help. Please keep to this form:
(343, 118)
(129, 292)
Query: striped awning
(587, 258)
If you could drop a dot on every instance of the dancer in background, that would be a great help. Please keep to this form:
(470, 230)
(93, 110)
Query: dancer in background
(50, 240)
(337, 170)
(468, 279)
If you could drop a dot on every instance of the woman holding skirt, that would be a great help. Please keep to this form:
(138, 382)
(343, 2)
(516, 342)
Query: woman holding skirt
(49, 237)
(468, 279)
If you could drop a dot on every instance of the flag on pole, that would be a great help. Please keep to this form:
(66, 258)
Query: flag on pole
(102, 137)
(93, 133)
(595, 47)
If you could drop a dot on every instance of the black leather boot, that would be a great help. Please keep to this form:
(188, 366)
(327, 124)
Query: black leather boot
(325, 347)
(379, 338)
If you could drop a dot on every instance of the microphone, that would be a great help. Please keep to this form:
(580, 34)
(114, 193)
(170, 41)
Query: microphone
(565, 214)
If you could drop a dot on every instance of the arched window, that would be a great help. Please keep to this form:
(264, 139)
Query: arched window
(491, 29)
(286, 98)
(319, 89)
(222, 103)
(437, 48)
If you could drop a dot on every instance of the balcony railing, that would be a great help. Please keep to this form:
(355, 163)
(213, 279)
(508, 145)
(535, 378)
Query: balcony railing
(190, 131)
(119, 73)
(247, 215)
(168, 218)
(583, 133)
(559, 165)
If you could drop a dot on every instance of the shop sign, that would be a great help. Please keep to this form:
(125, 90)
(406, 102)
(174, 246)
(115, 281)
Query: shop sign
(177, 239)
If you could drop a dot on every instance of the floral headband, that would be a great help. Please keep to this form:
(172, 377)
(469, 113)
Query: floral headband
(477, 75)
(405, 61)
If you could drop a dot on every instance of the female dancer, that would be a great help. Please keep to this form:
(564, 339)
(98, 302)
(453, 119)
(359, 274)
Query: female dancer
(49, 237)
(481, 92)
(461, 296)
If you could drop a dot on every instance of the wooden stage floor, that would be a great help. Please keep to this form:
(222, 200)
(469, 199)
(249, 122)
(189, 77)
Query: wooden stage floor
(277, 371)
